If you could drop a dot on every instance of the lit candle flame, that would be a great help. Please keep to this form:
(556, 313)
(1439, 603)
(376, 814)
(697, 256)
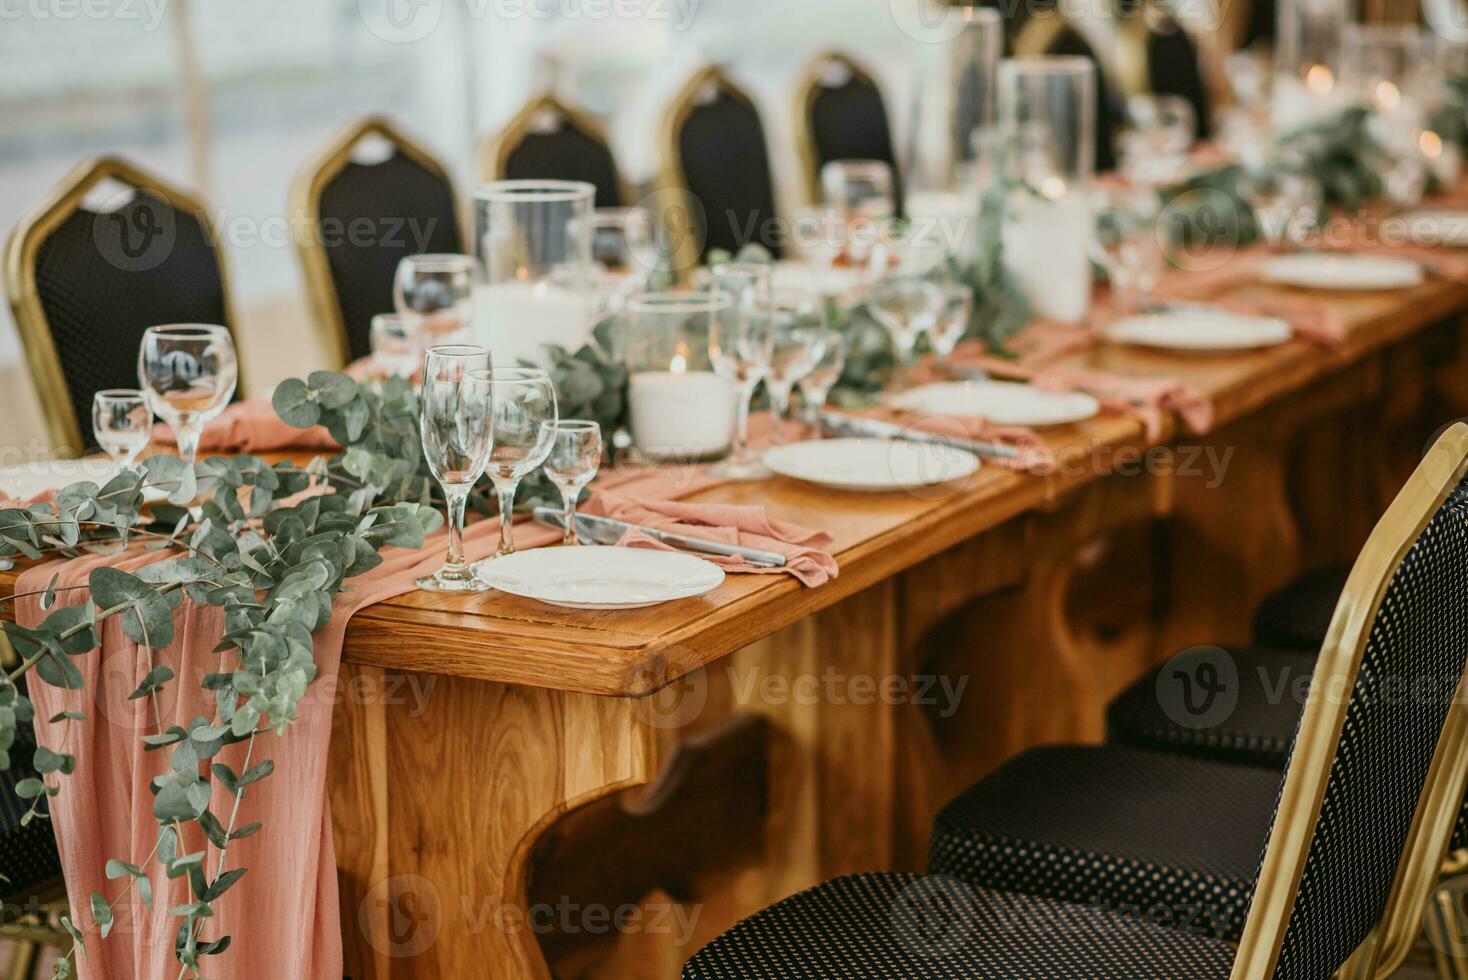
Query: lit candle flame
(679, 363)
(1387, 95)
(1431, 144)
(1319, 80)
(1053, 187)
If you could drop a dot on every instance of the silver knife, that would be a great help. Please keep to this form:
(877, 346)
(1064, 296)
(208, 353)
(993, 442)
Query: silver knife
(837, 423)
(605, 530)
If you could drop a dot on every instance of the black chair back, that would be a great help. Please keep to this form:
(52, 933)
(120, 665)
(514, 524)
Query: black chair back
(85, 284)
(843, 118)
(28, 852)
(716, 153)
(548, 140)
(1175, 67)
(363, 217)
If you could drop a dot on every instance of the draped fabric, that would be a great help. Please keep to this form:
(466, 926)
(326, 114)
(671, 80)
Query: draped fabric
(726, 166)
(370, 217)
(105, 278)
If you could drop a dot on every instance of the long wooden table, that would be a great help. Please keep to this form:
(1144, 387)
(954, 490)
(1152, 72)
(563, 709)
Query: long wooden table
(521, 791)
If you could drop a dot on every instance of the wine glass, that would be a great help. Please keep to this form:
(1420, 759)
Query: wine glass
(397, 343)
(741, 341)
(1125, 243)
(625, 255)
(188, 372)
(122, 424)
(456, 422)
(816, 386)
(799, 336)
(525, 417)
(575, 456)
(859, 187)
(1282, 199)
(439, 288)
(949, 328)
(906, 306)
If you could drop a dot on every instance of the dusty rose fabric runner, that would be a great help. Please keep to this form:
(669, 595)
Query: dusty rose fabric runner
(252, 426)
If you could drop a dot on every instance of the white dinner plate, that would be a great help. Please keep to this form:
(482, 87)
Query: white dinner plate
(1436, 227)
(24, 481)
(870, 465)
(593, 577)
(1320, 270)
(823, 280)
(1001, 402)
(1199, 330)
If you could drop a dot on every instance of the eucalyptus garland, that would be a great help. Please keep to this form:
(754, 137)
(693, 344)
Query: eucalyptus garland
(272, 545)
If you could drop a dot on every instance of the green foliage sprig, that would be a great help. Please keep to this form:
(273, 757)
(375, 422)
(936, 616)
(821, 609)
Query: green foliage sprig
(272, 545)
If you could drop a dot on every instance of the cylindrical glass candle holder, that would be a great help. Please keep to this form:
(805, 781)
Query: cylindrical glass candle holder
(1047, 111)
(1307, 60)
(678, 407)
(973, 68)
(1389, 67)
(534, 239)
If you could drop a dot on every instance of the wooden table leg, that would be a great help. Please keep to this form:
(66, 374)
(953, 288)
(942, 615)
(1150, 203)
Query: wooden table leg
(439, 787)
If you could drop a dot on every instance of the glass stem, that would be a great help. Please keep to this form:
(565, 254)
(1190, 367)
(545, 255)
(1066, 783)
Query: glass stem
(188, 435)
(569, 495)
(457, 500)
(741, 418)
(506, 493)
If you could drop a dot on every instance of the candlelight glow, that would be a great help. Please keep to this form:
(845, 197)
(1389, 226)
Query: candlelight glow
(1053, 187)
(1387, 95)
(679, 363)
(1319, 80)
(1430, 144)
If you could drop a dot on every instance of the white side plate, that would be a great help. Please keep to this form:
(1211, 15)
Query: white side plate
(1318, 270)
(1448, 228)
(1201, 330)
(601, 578)
(835, 281)
(23, 481)
(870, 465)
(1001, 402)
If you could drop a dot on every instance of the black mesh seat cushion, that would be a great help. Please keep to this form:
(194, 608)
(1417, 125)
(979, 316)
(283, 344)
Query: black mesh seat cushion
(1297, 616)
(727, 169)
(567, 154)
(105, 277)
(28, 855)
(398, 207)
(1257, 729)
(905, 927)
(849, 122)
(1141, 832)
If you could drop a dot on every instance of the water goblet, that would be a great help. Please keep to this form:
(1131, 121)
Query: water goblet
(741, 341)
(906, 306)
(949, 328)
(816, 386)
(575, 456)
(799, 336)
(525, 417)
(439, 288)
(188, 372)
(456, 423)
(122, 424)
(1125, 243)
(397, 344)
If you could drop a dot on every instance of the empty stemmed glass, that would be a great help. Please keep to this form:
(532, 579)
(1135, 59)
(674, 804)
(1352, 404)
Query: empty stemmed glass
(188, 372)
(575, 456)
(1125, 243)
(397, 344)
(799, 338)
(948, 329)
(456, 423)
(122, 424)
(626, 253)
(906, 306)
(438, 288)
(816, 386)
(525, 417)
(741, 341)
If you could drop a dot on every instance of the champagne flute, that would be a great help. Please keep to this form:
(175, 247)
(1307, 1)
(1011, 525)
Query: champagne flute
(397, 344)
(575, 456)
(741, 341)
(188, 372)
(799, 336)
(439, 288)
(456, 422)
(816, 386)
(122, 424)
(525, 419)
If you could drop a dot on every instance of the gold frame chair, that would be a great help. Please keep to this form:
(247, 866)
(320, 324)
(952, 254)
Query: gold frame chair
(672, 184)
(807, 90)
(494, 153)
(25, 300)
(1426, 848)
(305, 203)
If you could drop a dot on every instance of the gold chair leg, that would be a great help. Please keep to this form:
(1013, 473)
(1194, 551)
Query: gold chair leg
(1446, 920)
(23, 958)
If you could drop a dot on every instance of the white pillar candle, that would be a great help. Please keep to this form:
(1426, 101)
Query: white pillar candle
(681, 414)
(1045, 249)
(514, 320)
